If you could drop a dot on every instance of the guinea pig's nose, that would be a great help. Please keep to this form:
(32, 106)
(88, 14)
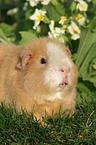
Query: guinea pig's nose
(64, 70)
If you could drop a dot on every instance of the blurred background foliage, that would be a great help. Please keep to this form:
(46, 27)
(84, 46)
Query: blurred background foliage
(14, 17)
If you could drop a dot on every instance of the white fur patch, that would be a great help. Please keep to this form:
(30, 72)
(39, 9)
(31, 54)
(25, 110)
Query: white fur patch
(56, 96)
(56, 59)
(55, 53)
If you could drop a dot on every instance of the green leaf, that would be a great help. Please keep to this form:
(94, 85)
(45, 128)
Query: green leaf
(7, 29)
(86, 55)
(91, 54)
(55, 12)
(83, 88)
(87, 39)
(27, 36)
(3, 37)
(65, 38)
(74, 56)
(46, 19)
(73, 6)
(29, 11)
(54, 2)
(86, 86)
(92, 24)
(92, 79)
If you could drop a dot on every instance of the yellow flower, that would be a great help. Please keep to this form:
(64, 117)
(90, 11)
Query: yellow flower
(75, 31)
(80, 19)
(63, 19)
(58, 37)
(78, 16)
(39, 17)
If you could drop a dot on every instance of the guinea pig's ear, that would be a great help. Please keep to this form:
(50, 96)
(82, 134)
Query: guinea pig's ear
(24, 60)
(68, 51)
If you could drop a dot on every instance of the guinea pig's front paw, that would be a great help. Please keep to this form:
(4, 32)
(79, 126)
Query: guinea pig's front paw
(40, 120)
(37, 116)
(68, 113)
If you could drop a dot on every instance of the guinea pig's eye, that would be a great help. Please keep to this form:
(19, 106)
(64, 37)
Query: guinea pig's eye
(43, 60)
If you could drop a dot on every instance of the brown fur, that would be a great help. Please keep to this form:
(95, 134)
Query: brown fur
(25, 86)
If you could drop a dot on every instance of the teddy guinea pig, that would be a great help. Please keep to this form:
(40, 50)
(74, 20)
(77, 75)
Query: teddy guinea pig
(40, 74)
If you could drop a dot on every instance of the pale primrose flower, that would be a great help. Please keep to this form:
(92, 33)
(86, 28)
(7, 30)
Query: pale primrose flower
(65, 28)
(25, 6)
(74, 30)
(55, 29)
(59, 30)
(56, 36)
(80, 19)
(33, 2)
(45, 2)
(63, 19)
(38, 16)
(89, 0)
(56, 32)
(12, 11)
(82, 5)
(51, 26)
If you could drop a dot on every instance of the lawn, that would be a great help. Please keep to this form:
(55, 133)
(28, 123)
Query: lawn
(79, 129)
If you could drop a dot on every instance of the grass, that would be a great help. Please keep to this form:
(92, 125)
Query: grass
(22, 129)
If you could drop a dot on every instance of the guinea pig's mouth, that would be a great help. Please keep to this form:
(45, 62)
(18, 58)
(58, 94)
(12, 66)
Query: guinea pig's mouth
(63, 85)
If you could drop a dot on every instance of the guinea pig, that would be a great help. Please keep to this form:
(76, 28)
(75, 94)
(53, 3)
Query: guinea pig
(39, 74)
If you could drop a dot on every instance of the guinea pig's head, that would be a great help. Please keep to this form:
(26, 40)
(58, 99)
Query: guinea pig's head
(46, 67)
